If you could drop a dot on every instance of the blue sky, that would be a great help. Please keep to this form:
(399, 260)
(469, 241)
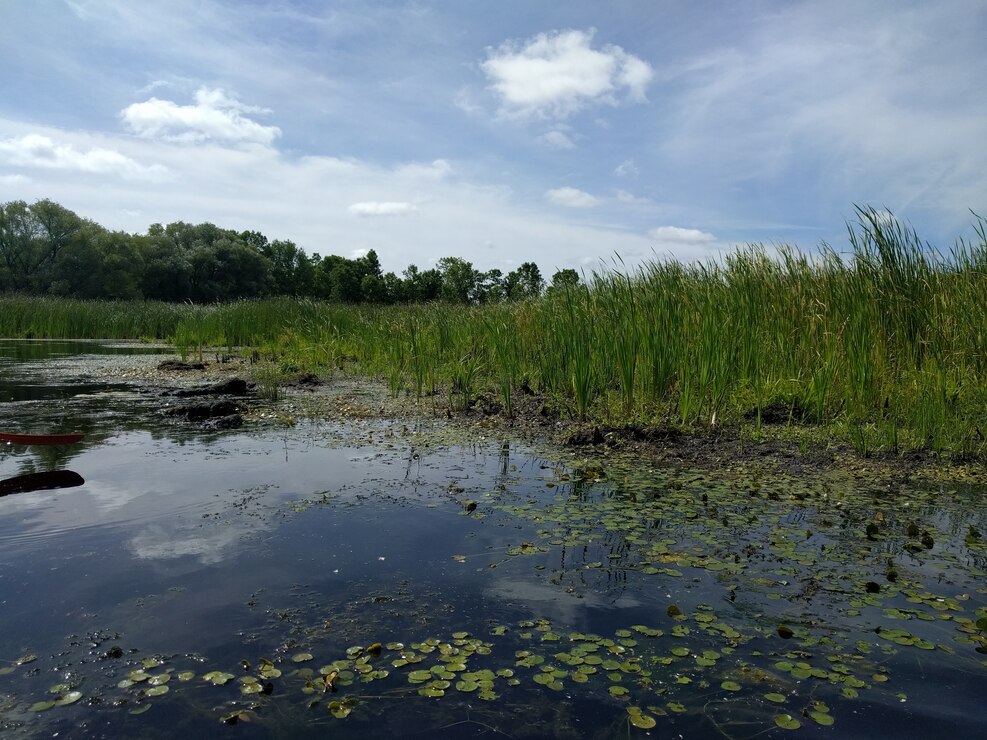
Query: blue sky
(501, 132)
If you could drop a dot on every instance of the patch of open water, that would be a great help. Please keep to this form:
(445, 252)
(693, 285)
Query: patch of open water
(460, 589)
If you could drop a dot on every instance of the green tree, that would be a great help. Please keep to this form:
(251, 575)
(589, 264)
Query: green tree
(227, 269)
(373, 289)
(99, 264)
(563, 280)
(370, 264)
(290, 268)
(422, 286)
(490, 287)
(31, 239)
(345, 280)
(167, 269)
(460, 281)
(524, 283)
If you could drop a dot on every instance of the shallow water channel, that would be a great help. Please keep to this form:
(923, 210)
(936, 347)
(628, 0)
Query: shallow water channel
(391, 578)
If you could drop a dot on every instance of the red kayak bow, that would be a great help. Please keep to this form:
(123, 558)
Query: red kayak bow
(40, 439)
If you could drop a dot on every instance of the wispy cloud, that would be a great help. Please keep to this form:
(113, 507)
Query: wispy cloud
(630, 199)
(571, 198)
(436, 170)
(627, 168)
(215, 116)
(557, 140)
(383, 208)
(877, 110)
(679, 235)
(34, 150)
(556, 74)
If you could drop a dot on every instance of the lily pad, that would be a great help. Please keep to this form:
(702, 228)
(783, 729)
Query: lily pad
(218, 678)
(787, 722)
(644, 721)
(340, 710)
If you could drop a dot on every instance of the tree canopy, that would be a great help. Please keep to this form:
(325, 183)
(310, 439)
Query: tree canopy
(46, 249)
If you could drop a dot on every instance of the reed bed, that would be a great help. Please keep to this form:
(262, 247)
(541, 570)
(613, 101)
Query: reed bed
(66, 318)
(885, 347)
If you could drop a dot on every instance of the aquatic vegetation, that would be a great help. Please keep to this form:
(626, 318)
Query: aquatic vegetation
(771, 605)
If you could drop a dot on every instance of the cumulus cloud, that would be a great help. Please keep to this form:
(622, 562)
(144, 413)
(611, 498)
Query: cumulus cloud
(571, 198)
(215, 116)
(556, 74)
(35, 150)
(383, 208)
(677, 235)
(557, 140)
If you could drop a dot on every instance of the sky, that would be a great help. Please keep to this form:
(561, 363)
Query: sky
(577, 134)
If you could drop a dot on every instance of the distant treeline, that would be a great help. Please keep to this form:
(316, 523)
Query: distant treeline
(46, 249)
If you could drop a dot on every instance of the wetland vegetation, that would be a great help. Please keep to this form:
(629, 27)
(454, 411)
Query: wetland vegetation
(882, 349)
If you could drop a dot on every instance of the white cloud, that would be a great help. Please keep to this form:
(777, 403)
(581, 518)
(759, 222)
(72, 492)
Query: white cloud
(35, 150)
(215, 116)
(306, 199)
(677, 235)
(152, 86)
(630, 199)
(13, 179)
(437, 170)
(556, 74)
(557, 140)
(627, 168)
(382, 208)
(571, 198)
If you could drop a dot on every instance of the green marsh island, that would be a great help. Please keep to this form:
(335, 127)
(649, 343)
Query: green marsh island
(736, 498)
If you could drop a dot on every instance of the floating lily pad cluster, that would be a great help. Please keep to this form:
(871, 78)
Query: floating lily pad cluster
(778, 540)
(654, 671)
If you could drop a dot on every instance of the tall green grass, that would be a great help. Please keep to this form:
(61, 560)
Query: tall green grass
(66, 318)
(885, 345)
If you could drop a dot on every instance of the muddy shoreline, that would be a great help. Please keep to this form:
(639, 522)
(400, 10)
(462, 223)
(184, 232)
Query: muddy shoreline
(345, 396)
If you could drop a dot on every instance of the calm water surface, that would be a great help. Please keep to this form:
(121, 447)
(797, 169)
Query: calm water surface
(544, 596)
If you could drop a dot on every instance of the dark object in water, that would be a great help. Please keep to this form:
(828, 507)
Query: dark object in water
(40, 482)
(231, 387)
(40, 439)
(203, 411)
(178, 365)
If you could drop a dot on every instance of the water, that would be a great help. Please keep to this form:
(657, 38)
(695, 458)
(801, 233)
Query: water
(592, 586)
